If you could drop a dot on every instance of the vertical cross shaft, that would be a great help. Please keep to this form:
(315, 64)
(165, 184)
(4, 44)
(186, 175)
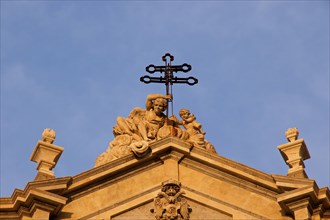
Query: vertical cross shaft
(168, 71)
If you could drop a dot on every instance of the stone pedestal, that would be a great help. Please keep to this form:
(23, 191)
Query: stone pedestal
(46, 155)
(294, 153)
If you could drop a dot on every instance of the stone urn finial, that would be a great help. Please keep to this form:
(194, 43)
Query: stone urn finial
(46, 155)
(294, 153)
(48, 135)
(292, 134)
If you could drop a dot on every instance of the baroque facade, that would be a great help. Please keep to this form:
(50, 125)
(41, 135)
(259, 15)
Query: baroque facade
(162, 168)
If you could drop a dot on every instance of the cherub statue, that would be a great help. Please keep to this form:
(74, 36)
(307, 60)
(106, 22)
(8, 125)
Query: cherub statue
(189, 122)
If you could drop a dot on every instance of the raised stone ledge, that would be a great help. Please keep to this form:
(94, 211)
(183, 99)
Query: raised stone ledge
(39, 195)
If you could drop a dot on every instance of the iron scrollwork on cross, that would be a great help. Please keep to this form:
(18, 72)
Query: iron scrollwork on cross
(168, 69)
(168, 79)
(170, 204)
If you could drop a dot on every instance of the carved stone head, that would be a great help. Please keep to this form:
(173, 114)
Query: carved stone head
(184, 113)
(159, 105)
(171, 187)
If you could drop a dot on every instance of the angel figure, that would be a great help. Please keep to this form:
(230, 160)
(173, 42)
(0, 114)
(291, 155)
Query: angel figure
(144, 123)
(189, 122)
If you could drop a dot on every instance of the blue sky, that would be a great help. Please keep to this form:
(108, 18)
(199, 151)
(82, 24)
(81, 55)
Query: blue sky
(74, 66)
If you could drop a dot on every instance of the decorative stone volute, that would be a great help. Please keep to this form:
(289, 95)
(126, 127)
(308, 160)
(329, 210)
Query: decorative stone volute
(294, 153)
(46, 155)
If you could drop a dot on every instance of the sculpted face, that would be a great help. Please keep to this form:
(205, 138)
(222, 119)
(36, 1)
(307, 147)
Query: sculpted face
(171, 190)
(159, 106)
(184, 114)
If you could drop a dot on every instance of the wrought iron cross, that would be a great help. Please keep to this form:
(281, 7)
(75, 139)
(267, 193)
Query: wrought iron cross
(168, 69)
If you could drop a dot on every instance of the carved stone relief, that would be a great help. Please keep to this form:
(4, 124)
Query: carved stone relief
(169, 204)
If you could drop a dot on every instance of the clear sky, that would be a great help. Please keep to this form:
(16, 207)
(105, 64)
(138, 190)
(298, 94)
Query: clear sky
(74, 66)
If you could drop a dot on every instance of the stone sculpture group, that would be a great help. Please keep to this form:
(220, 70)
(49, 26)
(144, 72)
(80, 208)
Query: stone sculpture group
(144, 126)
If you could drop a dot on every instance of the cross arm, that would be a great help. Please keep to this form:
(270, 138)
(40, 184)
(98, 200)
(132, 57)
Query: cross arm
(174, 68)
(189, 80)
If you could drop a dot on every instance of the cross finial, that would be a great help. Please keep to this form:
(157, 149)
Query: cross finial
(168, 69)
(167, 55)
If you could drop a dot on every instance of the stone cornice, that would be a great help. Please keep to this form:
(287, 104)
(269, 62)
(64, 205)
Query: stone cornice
(159, 148)
(300, 193)
(42, 194)
(324, 196)
(54, 185)
(133, 201)
(229, 178)
(309, 197)
(163, 144)
(286, 183)
(198, 196)
(96, 174)
(234, 168)
(164, 147)
(108, 180)
(25, 202)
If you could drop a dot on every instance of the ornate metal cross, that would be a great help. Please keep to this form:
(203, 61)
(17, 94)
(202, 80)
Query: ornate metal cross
(168, 71)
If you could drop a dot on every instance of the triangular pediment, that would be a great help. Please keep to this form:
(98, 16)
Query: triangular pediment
(173, 148)
(214, 187)
(211, 183)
